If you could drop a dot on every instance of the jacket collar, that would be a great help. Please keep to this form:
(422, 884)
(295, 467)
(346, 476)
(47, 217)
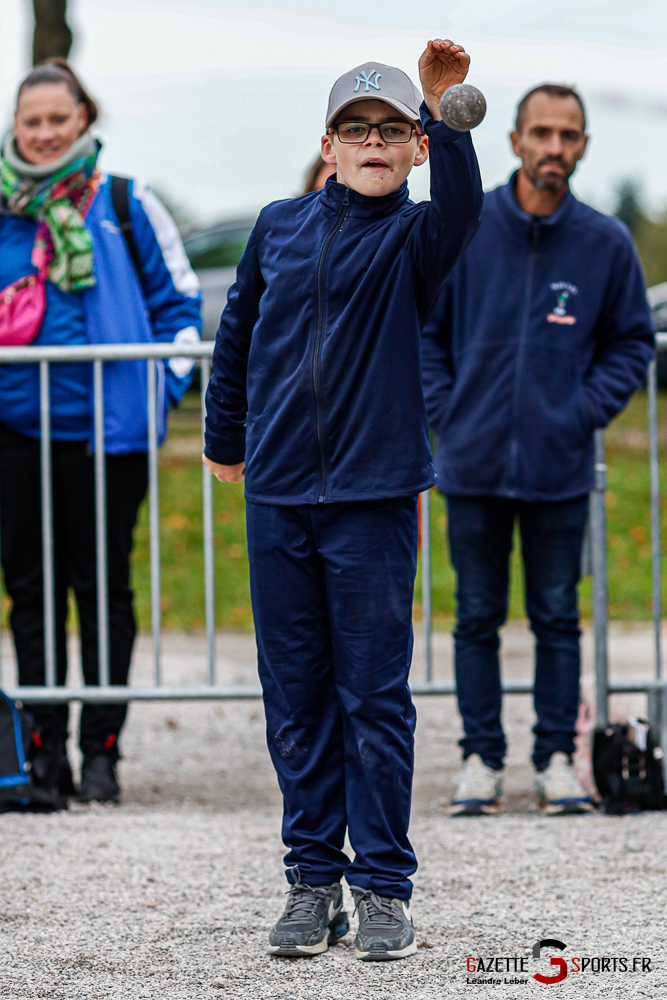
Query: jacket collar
(525, 224)
(362, 206)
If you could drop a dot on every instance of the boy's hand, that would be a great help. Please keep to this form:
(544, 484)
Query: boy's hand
(442, 64)
(225, 473)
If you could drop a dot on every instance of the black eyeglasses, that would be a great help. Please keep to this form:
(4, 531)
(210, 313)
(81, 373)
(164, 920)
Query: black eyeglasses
(390, 132)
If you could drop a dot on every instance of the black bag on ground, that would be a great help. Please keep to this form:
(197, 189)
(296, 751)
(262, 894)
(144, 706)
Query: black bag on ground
(17, 788)
(627, 764)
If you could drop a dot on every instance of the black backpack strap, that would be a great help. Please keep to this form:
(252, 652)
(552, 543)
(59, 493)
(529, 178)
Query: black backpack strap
(120, 199)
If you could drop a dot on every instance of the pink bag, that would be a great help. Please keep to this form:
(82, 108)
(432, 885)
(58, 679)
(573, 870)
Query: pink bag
(22, 307)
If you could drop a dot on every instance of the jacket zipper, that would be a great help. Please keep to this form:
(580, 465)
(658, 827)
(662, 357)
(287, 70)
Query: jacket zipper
(324, 462)
(514, 447)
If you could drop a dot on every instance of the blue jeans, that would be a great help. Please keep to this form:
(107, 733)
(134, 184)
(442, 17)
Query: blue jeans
(480, 539)
(332, 587)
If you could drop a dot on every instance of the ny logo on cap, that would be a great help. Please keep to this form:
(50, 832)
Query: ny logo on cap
(367, 78)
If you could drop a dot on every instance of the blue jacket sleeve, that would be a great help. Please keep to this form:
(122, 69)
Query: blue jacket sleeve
(226, 397)
(437, 370)
(444, 227)
(625, 338)
(170, 286)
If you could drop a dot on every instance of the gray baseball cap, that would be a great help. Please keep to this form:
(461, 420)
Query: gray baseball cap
(374, 82)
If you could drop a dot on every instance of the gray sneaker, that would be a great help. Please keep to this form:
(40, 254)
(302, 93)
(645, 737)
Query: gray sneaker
(385, 927)
(478, 789)
(313, 919)
(559, 790)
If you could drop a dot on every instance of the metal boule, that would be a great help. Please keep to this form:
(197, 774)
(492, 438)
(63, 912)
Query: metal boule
(462, 107)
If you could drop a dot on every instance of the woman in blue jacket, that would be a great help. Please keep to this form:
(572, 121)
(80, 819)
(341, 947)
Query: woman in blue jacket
(57, 218)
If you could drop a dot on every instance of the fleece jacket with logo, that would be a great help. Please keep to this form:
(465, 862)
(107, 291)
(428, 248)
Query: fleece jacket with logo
(316, 373)
(541, 334)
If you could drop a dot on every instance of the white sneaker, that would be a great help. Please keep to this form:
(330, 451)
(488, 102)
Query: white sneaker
(478, 789)
(559, 789)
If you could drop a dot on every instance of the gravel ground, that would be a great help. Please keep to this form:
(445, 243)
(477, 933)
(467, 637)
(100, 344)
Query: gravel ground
(172, 894)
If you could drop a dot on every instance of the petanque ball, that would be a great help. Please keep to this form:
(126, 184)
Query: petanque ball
(462, 107)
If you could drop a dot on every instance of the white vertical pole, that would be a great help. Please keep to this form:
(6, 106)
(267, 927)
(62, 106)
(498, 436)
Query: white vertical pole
(657, 699)
(209, 567)
(600, 590)
(101, 529)
(154, 516)
(47, 525)
(655, 511)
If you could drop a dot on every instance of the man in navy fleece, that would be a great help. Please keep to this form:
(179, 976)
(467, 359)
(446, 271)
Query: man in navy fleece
(316, 399)
(541, 335)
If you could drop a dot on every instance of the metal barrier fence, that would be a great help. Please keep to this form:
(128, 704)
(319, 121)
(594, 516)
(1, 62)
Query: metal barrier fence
(98, 355)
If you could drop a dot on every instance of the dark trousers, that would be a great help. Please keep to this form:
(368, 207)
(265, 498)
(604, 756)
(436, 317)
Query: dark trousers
(480, 539)
(75, 567)
(332, 588)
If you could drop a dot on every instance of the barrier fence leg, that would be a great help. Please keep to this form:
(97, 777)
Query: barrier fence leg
(600, 590)
(154, 520)
(655, 697)
(427, 608)
(207, 502)
(47, 525)
(101, 529)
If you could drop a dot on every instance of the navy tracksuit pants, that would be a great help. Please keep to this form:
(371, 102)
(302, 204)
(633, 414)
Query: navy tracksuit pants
(332, 587)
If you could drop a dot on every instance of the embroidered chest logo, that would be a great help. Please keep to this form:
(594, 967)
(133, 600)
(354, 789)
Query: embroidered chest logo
(564, 292)
(371, 79)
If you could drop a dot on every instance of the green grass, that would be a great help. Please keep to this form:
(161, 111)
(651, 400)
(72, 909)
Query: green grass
(442, 575)
(182, 558)
(182, 544)
(628, 526)
(628, 509)
(225, 255)
(182, 561)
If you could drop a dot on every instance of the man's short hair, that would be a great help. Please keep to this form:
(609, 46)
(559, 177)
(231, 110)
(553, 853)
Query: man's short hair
(551, 90)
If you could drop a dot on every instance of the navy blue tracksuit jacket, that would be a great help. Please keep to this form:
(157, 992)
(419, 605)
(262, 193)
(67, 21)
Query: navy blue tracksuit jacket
(317, 385)
(541, 334)
(316, 373)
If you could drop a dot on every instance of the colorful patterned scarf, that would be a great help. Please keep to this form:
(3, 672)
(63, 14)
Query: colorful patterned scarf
(57, 197)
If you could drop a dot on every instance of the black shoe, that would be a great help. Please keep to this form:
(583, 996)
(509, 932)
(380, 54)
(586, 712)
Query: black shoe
(313, 919)
(385, 927)
(50, 773)
(98, 780)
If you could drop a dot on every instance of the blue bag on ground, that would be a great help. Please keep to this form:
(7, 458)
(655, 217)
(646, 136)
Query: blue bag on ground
(17, 788)
(14, 748)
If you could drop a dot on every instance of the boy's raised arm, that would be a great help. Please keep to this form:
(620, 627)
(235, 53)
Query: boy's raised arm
(226, 400)
(445, 228)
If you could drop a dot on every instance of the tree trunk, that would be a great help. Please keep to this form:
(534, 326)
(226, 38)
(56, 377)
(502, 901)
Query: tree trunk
(52, 33)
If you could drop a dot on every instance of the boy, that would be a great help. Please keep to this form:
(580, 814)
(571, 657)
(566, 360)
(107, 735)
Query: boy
(316, 400)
